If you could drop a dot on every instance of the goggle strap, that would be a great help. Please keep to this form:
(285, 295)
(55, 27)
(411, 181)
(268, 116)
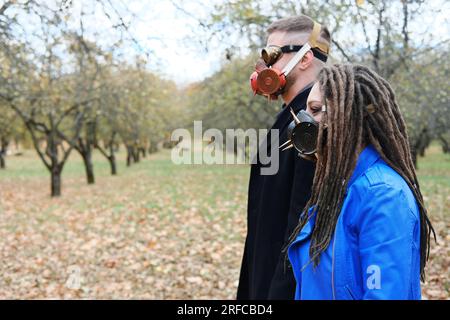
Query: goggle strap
(294, 48)
(296, 59)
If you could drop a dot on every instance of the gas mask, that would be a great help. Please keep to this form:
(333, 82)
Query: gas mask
(269, 81)
(302, 133)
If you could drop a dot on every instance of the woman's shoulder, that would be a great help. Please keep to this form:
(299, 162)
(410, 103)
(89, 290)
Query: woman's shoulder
(381, 183)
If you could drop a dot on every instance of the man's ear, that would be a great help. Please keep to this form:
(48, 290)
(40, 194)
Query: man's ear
(306, 61)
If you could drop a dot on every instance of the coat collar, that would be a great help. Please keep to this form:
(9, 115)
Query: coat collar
(365, 160)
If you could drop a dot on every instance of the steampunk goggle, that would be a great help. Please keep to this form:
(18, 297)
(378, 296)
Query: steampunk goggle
(271, 54)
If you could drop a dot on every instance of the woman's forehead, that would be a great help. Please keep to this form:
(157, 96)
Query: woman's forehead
(315, 94)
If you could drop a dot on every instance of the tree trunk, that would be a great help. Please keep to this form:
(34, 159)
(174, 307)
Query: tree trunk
(87, 159)
(109, 152)
(112, 163)
(55, 182)
(136, 155)
(129, 155)
(85, 151)
(445, 144)
(55, 168)
(143, 152)
(2, 161)
(3, 149)
(112, 159)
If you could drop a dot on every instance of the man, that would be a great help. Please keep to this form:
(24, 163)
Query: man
(275, 201)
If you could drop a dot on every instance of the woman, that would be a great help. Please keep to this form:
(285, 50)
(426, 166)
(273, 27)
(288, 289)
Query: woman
(364, 234)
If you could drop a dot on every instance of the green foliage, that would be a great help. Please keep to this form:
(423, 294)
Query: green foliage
(225, 100)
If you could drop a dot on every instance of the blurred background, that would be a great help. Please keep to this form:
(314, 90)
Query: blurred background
(91, 205)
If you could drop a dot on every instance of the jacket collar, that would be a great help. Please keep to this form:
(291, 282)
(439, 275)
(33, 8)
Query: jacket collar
(365, 160)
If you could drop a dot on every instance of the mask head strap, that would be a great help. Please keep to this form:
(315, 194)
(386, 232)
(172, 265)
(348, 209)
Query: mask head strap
(313, 39)
(311, 44)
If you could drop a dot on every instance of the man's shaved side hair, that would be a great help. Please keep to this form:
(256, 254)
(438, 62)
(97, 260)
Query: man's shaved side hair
(300, 24)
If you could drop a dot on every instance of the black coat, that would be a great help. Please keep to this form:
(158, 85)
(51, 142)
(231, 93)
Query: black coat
(274, 205)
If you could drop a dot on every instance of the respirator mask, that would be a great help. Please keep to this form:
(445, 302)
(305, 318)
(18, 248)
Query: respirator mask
(269, 81)
(303, 133)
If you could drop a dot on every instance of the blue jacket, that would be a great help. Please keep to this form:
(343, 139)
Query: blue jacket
(374, 252)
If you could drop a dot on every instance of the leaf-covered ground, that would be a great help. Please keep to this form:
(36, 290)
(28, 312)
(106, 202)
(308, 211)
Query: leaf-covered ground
(156, 230)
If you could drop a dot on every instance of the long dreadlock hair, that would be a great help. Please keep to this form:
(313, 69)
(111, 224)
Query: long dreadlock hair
(349, 90)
